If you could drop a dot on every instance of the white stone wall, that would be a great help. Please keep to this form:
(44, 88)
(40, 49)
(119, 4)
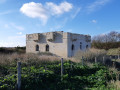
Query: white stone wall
(76, 39)
(58, 46)
(59, 43)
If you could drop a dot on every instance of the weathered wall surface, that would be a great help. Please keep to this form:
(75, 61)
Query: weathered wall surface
(57, 43)
(79, 41)
(60, 43)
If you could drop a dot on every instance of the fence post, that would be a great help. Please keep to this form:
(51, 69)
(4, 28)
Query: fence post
(82, 61)
(61, 68)
(110, 58)
(118, 56)
(18, 75)
(95, 60)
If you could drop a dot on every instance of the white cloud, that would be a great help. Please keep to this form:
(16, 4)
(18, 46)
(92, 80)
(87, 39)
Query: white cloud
(43, 12)
(16, 26)
(16, 37)
(97, 4)
(13, 41)
(19, 33)
(35, 10)
(58, 9)
(76, 12)
(94, 21)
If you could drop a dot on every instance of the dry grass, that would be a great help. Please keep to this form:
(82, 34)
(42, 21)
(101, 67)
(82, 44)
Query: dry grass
(114, 51)
(10, 59)
(90, 54)
(74, 60)
(114, 83)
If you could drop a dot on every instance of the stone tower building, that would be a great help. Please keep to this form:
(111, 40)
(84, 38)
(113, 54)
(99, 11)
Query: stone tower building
(64, 44)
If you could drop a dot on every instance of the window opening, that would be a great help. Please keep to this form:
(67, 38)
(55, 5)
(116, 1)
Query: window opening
(80, 45)
(86, 46)
(72, 48)
(47, 47)
(37, 47)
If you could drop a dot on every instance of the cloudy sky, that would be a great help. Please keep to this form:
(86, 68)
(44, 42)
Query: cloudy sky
(21, 17)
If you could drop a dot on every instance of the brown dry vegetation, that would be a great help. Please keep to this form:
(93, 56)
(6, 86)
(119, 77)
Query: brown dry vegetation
(11, 59)
(90, 54)
(114, 83)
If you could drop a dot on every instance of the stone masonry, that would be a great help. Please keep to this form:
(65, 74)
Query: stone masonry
(63, 44)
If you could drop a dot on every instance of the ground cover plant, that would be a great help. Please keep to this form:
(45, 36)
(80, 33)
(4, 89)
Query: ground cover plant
(44, 73)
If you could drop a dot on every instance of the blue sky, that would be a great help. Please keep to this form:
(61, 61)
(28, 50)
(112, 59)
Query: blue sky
(21, 17)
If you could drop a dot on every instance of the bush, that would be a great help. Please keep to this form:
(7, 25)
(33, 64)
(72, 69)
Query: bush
(48, 78)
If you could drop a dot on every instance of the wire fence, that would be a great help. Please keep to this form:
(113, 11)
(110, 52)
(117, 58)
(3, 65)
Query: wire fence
(84, 60)
(59, 68)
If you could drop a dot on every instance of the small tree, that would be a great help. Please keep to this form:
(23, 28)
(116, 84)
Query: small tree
(106, 41)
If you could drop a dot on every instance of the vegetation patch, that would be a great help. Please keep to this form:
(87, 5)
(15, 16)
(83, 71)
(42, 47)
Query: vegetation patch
(48, 77)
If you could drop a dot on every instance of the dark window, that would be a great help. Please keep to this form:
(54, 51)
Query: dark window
(72, 48)
(80, 45)
(47, 47)
(86, 46)
(37, 47)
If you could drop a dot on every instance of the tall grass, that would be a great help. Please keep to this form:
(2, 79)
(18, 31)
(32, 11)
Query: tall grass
(115, 82)
(90, 54)
(12, 59)
(114, 51)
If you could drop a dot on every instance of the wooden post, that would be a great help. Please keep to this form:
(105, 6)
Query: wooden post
(95, 60)
(61, 68)
(118, 56)
(110, 58)
(82, 61)
(18, 75)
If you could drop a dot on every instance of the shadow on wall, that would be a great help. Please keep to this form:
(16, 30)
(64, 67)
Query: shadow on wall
(42, 39)
(58, 38)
